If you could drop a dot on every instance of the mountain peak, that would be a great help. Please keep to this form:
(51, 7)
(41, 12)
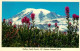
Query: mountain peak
(42, 18)
(36, 10)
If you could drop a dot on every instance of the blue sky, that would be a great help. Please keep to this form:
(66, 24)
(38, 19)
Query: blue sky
(10, 9)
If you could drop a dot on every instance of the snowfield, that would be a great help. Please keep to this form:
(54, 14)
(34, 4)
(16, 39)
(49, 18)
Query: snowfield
(42, 18)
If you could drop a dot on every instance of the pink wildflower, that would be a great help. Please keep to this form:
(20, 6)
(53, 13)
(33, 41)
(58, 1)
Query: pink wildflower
(49, 25)
(14, 26)
(67, 9)
(55, 24)
(74, 16)
(32, 16)
(4, 20)
(27, 20)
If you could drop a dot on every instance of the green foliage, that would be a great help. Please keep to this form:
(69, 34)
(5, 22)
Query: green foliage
(24, 37)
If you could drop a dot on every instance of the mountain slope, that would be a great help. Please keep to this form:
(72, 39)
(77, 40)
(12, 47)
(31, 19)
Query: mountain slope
(42, 18)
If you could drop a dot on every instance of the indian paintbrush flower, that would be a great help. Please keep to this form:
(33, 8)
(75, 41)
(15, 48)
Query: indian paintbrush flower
(65, 33)
(27, 20)
(74, 16)
(10, 23)
(56, 29)
(14, 26)
(77, 17)
(69, 23)
(67, 13)
(55, 24)
(24, 20)
(4, 20)
(32, 16)
(25, 17)
(67, 9)
(49, 25)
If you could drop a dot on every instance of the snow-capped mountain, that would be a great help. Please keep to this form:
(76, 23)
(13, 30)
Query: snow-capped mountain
(42, 18)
